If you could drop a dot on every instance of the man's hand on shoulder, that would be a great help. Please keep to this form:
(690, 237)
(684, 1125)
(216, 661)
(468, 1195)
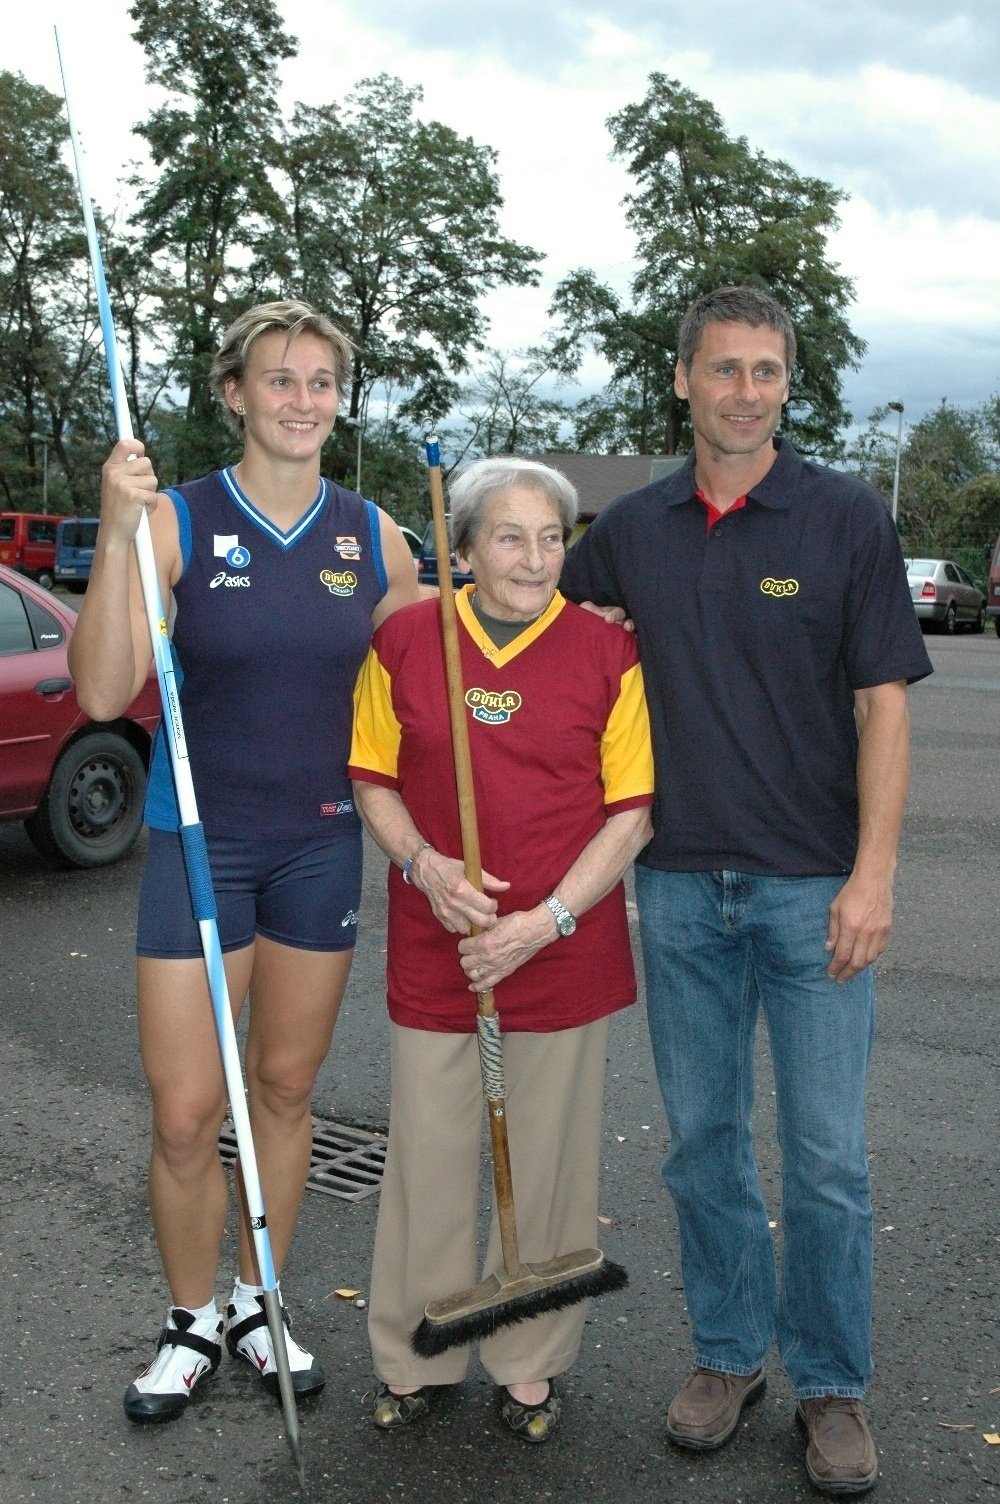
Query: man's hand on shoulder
(613, 615)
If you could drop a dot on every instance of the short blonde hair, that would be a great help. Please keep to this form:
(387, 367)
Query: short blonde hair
(292, 316)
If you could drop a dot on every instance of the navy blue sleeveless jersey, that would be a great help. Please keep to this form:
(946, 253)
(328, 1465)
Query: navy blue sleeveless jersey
(269, 633)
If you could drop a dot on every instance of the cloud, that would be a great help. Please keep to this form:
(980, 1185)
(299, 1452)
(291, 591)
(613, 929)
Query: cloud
(830, 38)
(895, 101)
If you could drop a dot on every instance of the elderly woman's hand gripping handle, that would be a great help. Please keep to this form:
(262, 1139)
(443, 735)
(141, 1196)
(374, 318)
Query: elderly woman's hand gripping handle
(509, 942)
(455, 902)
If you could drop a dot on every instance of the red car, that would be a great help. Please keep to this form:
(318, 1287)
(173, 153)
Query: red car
(77, 784)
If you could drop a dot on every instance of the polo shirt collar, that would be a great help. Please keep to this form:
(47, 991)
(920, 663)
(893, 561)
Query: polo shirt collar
(774, 491)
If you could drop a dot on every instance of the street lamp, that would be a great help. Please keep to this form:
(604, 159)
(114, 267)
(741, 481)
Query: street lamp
(43, 439)
(896, 407)
(359, 424)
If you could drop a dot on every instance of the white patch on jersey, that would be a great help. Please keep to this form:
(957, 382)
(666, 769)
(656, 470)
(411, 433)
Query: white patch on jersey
(223, 543)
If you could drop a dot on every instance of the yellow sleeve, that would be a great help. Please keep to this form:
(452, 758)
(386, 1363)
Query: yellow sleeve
(626, 746)
(377, 733)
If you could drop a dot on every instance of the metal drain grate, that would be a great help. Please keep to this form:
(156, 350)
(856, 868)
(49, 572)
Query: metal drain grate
(346, 1162)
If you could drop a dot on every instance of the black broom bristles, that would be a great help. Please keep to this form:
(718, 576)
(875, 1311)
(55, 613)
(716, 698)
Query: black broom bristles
(433, 1337)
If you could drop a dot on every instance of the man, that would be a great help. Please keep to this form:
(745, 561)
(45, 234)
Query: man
(777, 639)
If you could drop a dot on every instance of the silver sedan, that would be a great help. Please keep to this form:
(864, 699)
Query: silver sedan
(943, 594)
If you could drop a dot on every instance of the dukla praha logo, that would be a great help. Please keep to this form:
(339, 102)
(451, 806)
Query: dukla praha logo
(779, 587)
(491, 708)
(339, 581)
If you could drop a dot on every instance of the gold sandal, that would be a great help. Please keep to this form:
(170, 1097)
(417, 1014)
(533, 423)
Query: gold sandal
(534, 1423)
(390, 1411)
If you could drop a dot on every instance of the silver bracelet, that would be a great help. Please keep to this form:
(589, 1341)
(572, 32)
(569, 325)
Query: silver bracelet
(424, 846)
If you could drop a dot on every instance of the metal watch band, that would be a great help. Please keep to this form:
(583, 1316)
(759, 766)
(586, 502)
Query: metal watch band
(565, 921)
(424, 846)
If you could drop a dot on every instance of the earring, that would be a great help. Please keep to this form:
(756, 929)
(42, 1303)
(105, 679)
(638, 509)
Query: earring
(240, 411)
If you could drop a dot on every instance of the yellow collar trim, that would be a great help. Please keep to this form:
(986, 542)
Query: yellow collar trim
(499, 657)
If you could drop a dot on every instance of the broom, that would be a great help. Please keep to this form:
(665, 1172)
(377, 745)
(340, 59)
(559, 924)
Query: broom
(518, 1291)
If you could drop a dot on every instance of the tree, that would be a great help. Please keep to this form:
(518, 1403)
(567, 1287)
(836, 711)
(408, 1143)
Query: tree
(506, 409)
(393, 231)
(973, 515)
(214, 145)
(941, 460)
(708, 210)
(49, 366)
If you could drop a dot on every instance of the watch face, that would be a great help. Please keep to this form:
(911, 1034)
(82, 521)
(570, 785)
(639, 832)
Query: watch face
(566, 924)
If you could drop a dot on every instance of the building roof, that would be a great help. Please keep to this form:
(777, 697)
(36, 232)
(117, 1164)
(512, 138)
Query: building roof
(599, 478)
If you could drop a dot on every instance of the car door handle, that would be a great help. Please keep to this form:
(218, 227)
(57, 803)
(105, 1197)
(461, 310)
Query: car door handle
(53, 686)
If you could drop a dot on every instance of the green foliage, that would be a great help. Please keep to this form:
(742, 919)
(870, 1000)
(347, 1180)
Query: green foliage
(394, 472)
(49, 360)
(945, 487)
(214, 145)
(708, 211)
(393, 229)
(974, 513)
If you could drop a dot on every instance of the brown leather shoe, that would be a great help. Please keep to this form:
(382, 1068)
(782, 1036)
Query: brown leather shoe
(706, 1410)
(840, 1456)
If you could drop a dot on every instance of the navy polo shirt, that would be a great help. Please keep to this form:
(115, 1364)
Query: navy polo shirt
(753, 637)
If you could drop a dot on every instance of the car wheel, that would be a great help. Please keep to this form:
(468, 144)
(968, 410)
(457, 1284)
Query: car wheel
(979, 625)
(91, 811)
(948, 623)
(996, 625)
(45, 578)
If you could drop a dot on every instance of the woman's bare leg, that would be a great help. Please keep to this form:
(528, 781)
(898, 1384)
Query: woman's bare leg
(180, 1056)
(295, 996)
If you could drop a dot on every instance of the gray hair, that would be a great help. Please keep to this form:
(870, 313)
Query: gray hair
(293, 317)
(734, 305)
(477, 485)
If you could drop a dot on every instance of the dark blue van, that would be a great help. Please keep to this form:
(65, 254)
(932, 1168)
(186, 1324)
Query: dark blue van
(427, 564)
(76, 539)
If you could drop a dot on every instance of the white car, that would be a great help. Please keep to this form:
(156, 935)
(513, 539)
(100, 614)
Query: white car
(412, 541)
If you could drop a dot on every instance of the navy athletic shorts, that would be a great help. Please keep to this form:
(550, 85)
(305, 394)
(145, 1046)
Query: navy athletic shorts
(303, 893)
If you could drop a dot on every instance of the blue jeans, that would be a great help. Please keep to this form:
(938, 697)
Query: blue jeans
(717, 946)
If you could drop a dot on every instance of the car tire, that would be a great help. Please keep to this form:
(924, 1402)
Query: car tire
(979, 625)
(996, 625)
(948, 620)
(46, 579)
(91, 812)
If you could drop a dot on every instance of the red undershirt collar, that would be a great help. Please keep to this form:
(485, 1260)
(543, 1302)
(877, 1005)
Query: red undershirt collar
(713, 515)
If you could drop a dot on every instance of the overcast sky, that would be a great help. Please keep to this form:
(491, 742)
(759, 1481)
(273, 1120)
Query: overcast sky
(897, 102)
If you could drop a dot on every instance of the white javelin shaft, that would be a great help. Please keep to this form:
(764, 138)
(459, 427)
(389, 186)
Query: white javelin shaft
(192, 835)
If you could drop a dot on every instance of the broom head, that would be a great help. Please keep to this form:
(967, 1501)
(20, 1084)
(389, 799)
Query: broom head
(504, 1299)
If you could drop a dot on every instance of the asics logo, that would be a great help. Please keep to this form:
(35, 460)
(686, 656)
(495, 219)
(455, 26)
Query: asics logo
(349, 918)
(779, 587)
(229, 580)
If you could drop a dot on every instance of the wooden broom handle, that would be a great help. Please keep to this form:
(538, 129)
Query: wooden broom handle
(485, 1002)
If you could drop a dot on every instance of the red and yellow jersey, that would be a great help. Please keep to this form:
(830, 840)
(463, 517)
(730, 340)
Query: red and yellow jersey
(559, 736)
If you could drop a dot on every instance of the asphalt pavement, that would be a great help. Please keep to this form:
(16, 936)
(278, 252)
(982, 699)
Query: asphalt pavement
(81, 1297)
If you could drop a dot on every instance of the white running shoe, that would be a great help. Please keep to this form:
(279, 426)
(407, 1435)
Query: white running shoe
(248, 1337)
(188, 1352)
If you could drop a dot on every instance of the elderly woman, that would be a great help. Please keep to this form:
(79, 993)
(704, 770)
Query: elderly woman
(563, 777)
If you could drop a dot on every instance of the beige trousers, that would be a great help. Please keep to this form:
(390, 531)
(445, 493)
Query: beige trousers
(425, 1241)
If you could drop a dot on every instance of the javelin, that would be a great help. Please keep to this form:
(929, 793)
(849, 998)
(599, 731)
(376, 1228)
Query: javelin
(192, 834)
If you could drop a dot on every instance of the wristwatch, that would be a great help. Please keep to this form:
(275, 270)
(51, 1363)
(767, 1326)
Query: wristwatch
(565, 921)
(424, 846)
